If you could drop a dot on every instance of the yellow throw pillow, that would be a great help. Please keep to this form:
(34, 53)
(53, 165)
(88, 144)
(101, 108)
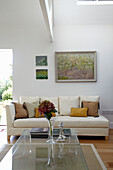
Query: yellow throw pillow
(38, 115)
(53, 114)
(78, 112)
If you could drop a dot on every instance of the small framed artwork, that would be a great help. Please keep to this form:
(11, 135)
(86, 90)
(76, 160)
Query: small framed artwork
(76, 66)
(41, 60)
(42, 74)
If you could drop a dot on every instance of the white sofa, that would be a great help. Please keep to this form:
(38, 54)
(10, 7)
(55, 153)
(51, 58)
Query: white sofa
(85, 126)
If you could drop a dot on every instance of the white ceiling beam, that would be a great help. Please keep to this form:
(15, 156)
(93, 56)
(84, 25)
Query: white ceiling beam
(47, 10)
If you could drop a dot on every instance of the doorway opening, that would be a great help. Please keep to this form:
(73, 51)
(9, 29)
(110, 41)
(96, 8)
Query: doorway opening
(6, 84)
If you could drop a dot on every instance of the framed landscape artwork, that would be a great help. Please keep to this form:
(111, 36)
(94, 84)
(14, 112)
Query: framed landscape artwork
(41, 60)
(41, 74)
(75, 66)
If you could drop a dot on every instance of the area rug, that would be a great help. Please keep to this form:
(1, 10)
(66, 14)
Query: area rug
(3, 151)
(92, 157)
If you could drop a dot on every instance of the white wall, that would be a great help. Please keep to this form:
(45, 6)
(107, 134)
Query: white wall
(90, 37)
(30, 39)
(29, 42)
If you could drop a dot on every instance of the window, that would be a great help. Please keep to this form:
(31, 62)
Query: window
(6, 62)
(94, 2)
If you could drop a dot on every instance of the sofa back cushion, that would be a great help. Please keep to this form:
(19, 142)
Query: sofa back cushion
(66, 103)
(89, 98)
(54, 100)
(29, 99)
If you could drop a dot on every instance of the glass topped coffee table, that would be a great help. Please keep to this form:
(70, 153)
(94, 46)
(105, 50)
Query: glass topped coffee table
(36, 154)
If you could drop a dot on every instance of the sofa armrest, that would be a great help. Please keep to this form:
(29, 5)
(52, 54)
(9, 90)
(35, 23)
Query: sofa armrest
(10, 114)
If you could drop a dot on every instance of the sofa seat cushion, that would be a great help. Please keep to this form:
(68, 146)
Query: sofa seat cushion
(30, 122)
(69, 122)
(84, 122)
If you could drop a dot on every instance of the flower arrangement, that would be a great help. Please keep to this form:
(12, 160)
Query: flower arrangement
(46, 108)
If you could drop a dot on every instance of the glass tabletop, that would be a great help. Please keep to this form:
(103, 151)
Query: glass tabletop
(36, 154)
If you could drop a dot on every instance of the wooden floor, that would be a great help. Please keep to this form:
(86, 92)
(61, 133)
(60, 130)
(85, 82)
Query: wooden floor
(103, 147)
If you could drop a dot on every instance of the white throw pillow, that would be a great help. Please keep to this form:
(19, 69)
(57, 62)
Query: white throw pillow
(29, 99)
(54, 100)
(66, 103)
(89, 98)
(31, 108)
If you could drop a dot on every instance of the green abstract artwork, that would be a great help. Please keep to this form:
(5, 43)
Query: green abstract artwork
(41, 61)
(41, 74)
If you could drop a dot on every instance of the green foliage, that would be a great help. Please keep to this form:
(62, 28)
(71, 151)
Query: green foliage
(7, 94)
(54, 110)
(6, 89)
(48, 115)
(0, 111)
(3, 87)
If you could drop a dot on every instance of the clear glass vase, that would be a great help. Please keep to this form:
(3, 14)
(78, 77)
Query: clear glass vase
(50, 134)
(51, 160)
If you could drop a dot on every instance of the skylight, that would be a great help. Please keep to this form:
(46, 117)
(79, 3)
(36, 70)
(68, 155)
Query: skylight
(94, 2)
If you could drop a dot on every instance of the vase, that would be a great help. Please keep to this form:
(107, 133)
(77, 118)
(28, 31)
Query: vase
(50, 134)
(51, 160)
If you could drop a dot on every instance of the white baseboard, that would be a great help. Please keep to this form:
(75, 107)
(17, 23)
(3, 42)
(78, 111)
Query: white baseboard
(109, 115)
(111, 125)
(107, 112)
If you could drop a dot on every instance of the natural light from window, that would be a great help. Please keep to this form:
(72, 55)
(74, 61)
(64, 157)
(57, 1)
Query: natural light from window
(5, 63)
(94, 2)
